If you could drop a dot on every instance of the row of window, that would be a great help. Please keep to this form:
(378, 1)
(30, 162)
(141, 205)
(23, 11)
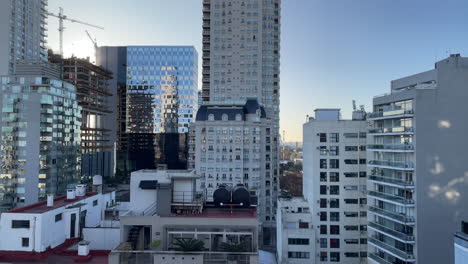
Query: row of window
(335, 150)
(335, 256)
(335, 229)
(335, 137)
(335, 216)
(335, 163)
(335, 202)
(335, 176)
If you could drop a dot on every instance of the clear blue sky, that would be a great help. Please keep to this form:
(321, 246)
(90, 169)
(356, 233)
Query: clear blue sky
(332, 51)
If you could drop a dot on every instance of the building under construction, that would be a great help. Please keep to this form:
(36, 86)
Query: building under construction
(93, 96)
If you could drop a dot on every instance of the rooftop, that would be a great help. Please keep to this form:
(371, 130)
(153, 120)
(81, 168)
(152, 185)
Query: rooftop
(216, 212)
(41, 207)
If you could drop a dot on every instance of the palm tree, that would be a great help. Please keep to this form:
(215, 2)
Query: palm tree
(233, 247)
(189, 244)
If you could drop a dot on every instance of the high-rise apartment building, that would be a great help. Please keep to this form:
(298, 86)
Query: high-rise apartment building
(334, 185)
(97, 123)
(461, 244)
(40, 135)
(241, 42)
(230, 144)
(157, 99)
(417, 187)
(22, 26)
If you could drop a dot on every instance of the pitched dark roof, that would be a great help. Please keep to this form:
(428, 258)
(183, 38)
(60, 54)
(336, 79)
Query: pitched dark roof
(250, 107)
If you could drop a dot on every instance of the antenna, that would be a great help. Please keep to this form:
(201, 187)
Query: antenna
(354, 105)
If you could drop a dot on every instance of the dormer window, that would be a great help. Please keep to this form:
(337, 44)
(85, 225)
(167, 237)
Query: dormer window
(224, 117)
(238, 117)
(210, 117)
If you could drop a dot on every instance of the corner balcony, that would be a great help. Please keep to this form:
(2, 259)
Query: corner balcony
(391, 182)
(377, 259)
(403, 255)
(391, 147)
(390, 112)
(389, 164)
(399, 218)
(391, 131)
(398, 200)
(390, 232)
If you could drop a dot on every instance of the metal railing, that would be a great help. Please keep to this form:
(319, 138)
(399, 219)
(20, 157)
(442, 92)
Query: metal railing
(389, 197)
(403, 183)
(406, 256)
(400, 129)
(187, 197)
(149, 257)
(399, 217)
(391, 146)
(390, 163)
(392, 232)
(390, 112)
(378, 259)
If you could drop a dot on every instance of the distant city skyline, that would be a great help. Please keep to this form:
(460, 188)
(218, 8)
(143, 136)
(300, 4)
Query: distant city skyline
(331, 52)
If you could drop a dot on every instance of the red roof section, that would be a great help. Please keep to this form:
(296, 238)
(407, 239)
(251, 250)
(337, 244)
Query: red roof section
(41, 207)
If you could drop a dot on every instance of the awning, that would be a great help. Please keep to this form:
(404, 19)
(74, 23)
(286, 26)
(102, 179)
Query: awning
(148, 185)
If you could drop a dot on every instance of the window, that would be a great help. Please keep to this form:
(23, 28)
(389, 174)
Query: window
(323, 256)
(351, 254)
(351, 241)
(323, 163)
(362, 161)
(351, 187)
(210, 117)
(323, 243)
(351, 148)
(363, 214)
(363, 254)
(323, 189)
(290, 225)
(351, 161)
(323, 203)
(351, 201)
(334, 137)
(323, 137)
(323, 176)
(335, 256)
(298, 241)
(58, 217)
(334, 176)
(363, 240)
(351, 214)
(323, 216)
(350, 174)
(350, 135)
(334, 164)
(334, 243)
(224, 117)
(95, 202)
(363, 227)
(334, 203)
(323, 229)
(335, 189)
(362, 174)
(25, 241)
(323, 151)
(303, 225)
(334, 230)
(362, 200)
(362, 134)
(351, 228)
(334, 151)
(20, 224)
(302, 255)
(334, 216)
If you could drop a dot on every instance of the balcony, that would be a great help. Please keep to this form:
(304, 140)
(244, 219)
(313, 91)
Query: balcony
(400, 218)
(392, 182)
(391, 147)
(406, 256)
(378, 259)
(405, 238)
(407, 202)
(388, 164)
(401, 130)
(390, 112)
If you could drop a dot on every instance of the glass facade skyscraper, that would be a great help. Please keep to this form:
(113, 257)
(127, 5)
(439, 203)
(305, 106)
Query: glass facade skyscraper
(162, 88)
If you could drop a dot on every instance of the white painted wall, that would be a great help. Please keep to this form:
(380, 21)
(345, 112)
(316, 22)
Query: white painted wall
(183, 190)
(102, 238)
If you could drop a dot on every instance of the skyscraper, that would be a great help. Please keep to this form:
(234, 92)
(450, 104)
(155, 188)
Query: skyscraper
(241, 61)
(417, 184)
(22, 26)
(157, 100)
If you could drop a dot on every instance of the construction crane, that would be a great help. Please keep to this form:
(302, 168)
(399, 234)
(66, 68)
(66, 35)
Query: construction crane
(61, 28)
(94, 43)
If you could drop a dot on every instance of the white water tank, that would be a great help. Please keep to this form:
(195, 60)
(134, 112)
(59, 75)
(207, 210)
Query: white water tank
(80, 189)
(97, 180)
(70, 194)
(83, 248)
(50, 200)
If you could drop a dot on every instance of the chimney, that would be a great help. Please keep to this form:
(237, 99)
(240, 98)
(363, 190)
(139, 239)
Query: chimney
(50, 200)
(97, 183)
(80, 189)
(70, 194)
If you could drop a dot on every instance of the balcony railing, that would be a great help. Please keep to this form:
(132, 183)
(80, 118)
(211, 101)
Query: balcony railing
(396, 216)
(390, 163)
(205, 257)
(378, 259)
(396, 199)
(390, 147)
(400, 183)
(406, 256)
(391, 232)
(390, 112)
(400, 129)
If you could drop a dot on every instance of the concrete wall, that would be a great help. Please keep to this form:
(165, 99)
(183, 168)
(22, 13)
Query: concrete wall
(441, 162)
(5, 15)
(102, 238)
